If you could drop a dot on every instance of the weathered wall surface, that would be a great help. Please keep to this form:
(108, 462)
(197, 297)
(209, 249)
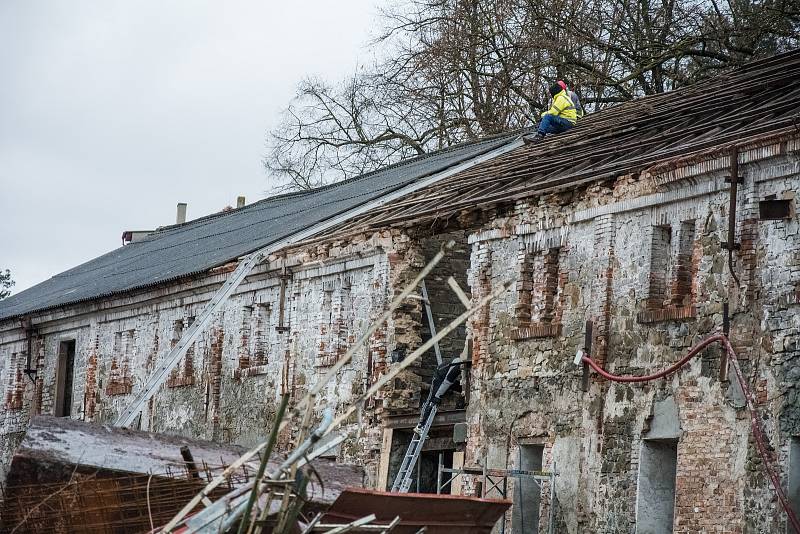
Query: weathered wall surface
(228, 386)
(640, 257)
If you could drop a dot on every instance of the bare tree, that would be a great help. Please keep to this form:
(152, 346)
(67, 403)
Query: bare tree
(6, 283)
(455, 70)
(331, 132)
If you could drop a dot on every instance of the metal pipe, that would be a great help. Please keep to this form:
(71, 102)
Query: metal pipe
(731, 246)
(439, 475)
(191, 466)
(734, 177)
(734, 170)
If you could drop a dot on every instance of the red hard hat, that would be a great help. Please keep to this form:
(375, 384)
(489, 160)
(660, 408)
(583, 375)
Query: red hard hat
(562, 84)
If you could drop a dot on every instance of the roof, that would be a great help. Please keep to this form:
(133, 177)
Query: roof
(97, 478)
(757, 102)
(197, 246)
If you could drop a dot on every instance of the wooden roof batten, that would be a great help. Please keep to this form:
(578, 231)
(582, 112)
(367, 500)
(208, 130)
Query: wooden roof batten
(751, 105)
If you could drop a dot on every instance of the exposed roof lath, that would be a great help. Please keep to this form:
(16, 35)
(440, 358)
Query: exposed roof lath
(757, 101)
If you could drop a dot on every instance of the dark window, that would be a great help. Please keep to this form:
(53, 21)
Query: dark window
(794, 478)
(774, 209)
(655, 500)
(527, 491)
(64, 378)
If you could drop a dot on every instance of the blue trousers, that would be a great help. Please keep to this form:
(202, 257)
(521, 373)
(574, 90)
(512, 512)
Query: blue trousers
(553, 124)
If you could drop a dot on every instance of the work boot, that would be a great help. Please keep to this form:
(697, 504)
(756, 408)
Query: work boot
(533, 140)
(418, 430)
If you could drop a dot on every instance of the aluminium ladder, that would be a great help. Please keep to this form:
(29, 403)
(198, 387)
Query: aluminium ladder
(131, 412)
(402, 481)
(437, 392)
(431, 324)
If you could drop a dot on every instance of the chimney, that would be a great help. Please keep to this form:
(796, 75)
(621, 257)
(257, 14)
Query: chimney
(239, 202)
(180, 216)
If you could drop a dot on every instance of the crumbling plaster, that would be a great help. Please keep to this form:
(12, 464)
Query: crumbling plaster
(228, 386)
(526, 389)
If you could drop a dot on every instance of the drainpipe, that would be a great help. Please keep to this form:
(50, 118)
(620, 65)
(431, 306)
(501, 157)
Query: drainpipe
(730, 245)
(30, 331)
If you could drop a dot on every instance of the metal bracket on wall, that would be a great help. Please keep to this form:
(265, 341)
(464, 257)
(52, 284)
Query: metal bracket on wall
(726, 329)
(587, 348)
(30, 332)
(285, 276)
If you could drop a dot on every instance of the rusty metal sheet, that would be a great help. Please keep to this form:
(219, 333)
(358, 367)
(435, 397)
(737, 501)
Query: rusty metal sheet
(440, 514)
(71, 476)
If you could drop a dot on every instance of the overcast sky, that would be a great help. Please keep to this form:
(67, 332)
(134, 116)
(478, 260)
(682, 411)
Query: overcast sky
(112, 112)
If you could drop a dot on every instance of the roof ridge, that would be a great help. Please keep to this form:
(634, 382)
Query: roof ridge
(325, 187)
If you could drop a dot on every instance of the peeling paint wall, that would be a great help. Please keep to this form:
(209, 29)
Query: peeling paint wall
(640, 258)
(228, 385)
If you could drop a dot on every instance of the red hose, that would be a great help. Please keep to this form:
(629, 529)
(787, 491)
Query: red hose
(755, 419)
(668, 371)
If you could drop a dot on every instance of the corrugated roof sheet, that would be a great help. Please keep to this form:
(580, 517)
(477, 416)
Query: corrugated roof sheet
(208, 242)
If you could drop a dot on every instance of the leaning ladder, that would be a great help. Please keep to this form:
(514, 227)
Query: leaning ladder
(129, 414)
(431, 324)
(403, 479)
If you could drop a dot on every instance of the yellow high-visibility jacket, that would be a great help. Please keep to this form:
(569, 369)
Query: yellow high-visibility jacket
(562, 106)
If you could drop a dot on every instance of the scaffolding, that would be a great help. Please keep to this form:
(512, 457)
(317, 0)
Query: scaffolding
(497, 480)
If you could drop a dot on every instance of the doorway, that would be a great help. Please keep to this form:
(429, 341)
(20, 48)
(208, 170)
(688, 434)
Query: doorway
(65, 372)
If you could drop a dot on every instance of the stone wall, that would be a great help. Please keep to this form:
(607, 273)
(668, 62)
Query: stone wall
(634, 265)
(228, 385)
(640, 259)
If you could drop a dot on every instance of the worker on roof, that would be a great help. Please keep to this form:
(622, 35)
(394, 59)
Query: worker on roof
(561, 116)
(576, 101)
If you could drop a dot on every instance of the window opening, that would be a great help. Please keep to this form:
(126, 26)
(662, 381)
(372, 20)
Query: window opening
(527, 492)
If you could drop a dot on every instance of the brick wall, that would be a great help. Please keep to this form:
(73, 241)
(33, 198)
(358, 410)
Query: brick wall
(640, 258)
(586, 256)
(227, 386)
